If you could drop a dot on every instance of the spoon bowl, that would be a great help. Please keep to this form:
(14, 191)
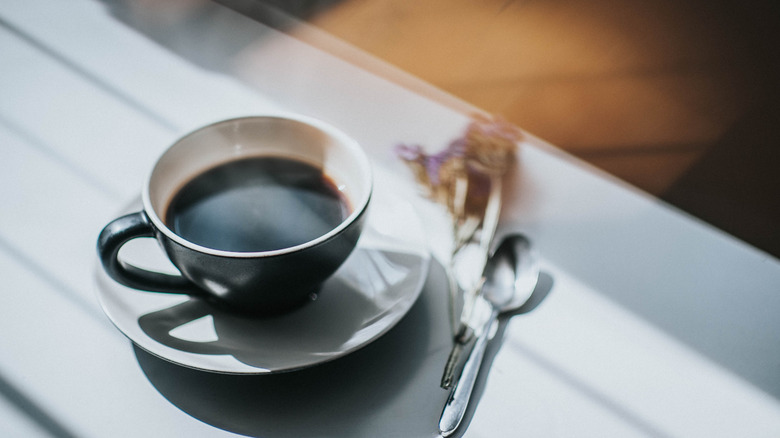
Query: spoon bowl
(511, 274)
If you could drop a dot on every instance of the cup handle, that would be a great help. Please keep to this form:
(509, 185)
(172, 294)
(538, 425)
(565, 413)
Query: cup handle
(122, 230)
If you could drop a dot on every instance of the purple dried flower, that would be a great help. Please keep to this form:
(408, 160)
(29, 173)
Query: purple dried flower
(409, 152)
(433, 163)
(485, 150)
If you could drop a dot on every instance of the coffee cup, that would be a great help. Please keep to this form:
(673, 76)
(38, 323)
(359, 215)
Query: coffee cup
(255, 212)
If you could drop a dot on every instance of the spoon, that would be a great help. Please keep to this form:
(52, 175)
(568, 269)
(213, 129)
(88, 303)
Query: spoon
(511, 275)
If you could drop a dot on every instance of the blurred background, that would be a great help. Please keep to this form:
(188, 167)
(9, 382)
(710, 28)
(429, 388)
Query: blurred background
(679, 98)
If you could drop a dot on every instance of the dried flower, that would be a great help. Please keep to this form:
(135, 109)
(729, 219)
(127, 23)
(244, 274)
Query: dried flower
(459, 176)
(466, 177)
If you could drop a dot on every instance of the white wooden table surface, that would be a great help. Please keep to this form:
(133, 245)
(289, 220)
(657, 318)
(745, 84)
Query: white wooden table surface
(654, 324)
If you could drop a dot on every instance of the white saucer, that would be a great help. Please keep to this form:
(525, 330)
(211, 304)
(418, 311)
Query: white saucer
(369, 294)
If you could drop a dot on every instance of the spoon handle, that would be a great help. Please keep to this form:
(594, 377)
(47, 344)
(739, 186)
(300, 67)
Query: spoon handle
(459, 400)
(468, 262)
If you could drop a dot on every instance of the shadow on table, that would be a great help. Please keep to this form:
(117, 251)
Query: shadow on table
(388, 388)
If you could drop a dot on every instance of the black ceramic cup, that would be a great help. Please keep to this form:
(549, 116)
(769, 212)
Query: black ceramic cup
(246, 280)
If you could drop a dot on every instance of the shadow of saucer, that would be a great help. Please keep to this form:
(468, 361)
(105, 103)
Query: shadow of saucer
(387, 388)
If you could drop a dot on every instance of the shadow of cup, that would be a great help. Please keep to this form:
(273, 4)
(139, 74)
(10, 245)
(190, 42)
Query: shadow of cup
(255, 340)
(387, 388)
(351, 309)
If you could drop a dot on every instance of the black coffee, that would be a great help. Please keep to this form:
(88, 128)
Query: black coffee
(257, 204)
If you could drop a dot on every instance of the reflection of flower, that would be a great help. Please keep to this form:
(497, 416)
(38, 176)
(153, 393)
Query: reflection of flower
(459, 176)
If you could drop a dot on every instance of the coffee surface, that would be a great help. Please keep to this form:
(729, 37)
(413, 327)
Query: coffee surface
(257, 204)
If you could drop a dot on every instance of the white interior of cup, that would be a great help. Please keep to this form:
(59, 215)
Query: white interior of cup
(304, 139)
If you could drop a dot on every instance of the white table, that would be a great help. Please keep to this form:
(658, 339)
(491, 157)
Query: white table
(653, 323)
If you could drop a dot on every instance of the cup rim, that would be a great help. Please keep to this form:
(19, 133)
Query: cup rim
(358, 209)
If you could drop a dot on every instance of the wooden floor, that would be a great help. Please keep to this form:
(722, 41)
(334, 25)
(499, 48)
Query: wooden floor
(650, 91)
